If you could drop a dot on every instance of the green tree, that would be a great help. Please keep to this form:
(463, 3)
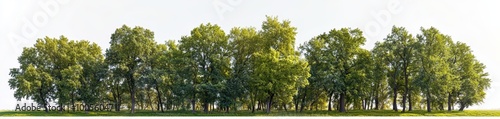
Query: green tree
(277, 69)
(434, 71)
(401, 47)
(320, 70)
(243, 43)
(208, 49)
(379, 73)
(344, 46)
(469, 75)
(129, 49)
(58, 69)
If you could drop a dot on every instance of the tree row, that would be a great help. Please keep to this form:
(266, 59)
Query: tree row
(250, 69)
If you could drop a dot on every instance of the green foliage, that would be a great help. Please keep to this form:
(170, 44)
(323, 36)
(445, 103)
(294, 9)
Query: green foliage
(58, 69)
(130, 48)
(213, 71)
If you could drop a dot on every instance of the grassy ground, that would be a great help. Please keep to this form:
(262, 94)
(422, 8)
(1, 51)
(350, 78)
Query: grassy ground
(260, 113)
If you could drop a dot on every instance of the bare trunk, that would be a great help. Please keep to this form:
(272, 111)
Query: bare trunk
(132, 92)
(428, 101)
(284, 106)
(394, 100)
(303, 101)
(269, 103)
(158, 94)
(449, 102)
(410, 104)
(342, 102)
(193, 104)
(330, 101)
(462, 107)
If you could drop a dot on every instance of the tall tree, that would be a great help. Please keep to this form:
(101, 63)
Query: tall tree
(277, 68)
(434, 70)
(343, 49)
(243, 43)
(314, 51)
(208, 49)
(401, 47)
(469, 75)
(129, 49)
(58, 69)
(379, 73)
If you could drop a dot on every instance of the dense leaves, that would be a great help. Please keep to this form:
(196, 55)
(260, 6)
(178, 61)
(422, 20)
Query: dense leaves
(253, 69)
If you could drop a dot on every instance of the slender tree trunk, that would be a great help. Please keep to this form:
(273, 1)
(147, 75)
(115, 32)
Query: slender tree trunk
(330, 101)
(342, 102)
(205, 106)
(132, 93)
(428, 100)
(376, 100)
(284, 106)
(73, 101)
(158, 94)
(410, 103)
(253, 106)
(269, 103)
(406, 90)
(297, 104)
(449, 102)
(259, 107)
(150, 102)
(193, 104)
(303, 101)
(394, 100)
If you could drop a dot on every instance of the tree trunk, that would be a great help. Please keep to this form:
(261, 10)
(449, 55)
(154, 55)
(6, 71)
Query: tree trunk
(193, 104)
(302, 104)
(205, 106)
(158, 94)
(462, 107)
(406, 92)
(269, 103)
(410, 104)
(284, 106)
(394, 100)
(428, 100)
(449, 102)
(342, 102)
(297, 104)
(150, 102)
(253, 107)
(73, 101)
(132, 93)
(376, 100)
(330, 101)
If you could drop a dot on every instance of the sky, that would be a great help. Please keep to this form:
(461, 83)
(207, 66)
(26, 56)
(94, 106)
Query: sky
(475, 22)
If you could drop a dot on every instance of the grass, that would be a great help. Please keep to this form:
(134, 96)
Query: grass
(260, 113)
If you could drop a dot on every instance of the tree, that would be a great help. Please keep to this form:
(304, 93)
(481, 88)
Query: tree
(469, 75)
(58, 69)
(129, 49)
(401, 47)
(277, 69)
(434, 70)
(320, 69)
(379, 73)
(243, 43)
(207, 47)
(344, 45)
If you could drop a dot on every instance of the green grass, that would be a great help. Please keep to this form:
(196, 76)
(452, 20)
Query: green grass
(260, 113)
